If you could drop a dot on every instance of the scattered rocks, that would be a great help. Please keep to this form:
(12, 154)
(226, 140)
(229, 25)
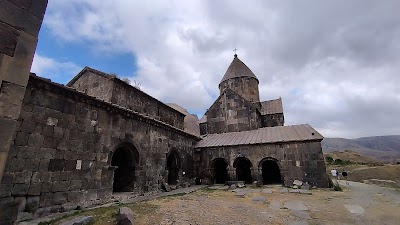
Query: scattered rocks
(301, 214)
(82, 220)
(297, 182)
(258, 199)
(295, 206)
(275, 205)
(355, 209)
(267, 190)
(305, 192)
(125, 216)
(305, 186)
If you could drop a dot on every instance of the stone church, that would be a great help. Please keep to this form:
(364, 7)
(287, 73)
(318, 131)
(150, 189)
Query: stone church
(76, 144)
(245, 139)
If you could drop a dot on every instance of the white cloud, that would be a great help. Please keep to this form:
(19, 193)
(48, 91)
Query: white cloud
(51, 68)
(334, 63)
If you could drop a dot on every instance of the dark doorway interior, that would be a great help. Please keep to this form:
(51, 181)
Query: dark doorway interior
(271, 173)
(124, 175)
(173, 166)
(220, 171)
(243, 170)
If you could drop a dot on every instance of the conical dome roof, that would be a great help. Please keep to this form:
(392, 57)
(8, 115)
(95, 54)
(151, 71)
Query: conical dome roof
(238, 69)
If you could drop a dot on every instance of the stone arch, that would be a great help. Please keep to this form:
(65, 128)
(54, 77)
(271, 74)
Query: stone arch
(220, 170)
(270, 171)
(173, 167)
(243, 169)
(125, 159)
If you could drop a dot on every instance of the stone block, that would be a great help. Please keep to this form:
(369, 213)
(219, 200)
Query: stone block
(50, 142)
(23, 177)
(8, 212)
(35, 189)
(125, 216)
(11, 96)
(44, 165)
(8, 39)
(56, 164)
(38, 8)
(58, 186)
(75, 185)
(81, 220)
(5, 190)
(25, 152)
(74, 196)
(7, 129)
(32, 204)
(15, 165)
(58, 132)
(20, 189)
(7, 178)
(18, 17)
(16, 69)
(21, 202)
(60, 198)
(21, 139)
(35, 140)
(70, 165)
(46, 199)
(32, 164)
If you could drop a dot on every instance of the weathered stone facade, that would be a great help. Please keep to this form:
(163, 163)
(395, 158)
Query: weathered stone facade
(111, 89)
(295, 160)
(69, 147)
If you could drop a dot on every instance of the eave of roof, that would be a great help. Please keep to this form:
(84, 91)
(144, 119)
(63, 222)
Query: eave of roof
(265, 135)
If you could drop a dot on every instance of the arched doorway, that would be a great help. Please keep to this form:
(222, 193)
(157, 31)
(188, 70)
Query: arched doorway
(271, 173)
(124, 159)
(243, 169)
(220, 171)
(173, 167)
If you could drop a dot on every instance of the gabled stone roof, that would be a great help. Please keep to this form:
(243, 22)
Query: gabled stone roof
(271, 107)
(237, 69)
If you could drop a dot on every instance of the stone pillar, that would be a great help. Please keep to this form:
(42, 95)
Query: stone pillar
(20, 22)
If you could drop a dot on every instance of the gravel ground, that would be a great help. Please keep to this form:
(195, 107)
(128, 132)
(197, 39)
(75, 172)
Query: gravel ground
(357, 204)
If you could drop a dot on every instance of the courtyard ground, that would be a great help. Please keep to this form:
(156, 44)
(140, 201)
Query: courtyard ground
(358, 203)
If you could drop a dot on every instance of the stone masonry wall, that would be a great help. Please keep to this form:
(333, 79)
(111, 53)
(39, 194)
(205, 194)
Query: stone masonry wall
(95, 85)
(272, 120)
(61, 152)
(247, 87)
(114, 90)
(232, 113)
(298, 160)
(132, 98)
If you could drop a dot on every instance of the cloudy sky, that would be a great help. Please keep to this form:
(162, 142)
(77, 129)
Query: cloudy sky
(335, 63)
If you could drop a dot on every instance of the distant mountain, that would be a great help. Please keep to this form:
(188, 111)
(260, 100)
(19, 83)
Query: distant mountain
(384, 148)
